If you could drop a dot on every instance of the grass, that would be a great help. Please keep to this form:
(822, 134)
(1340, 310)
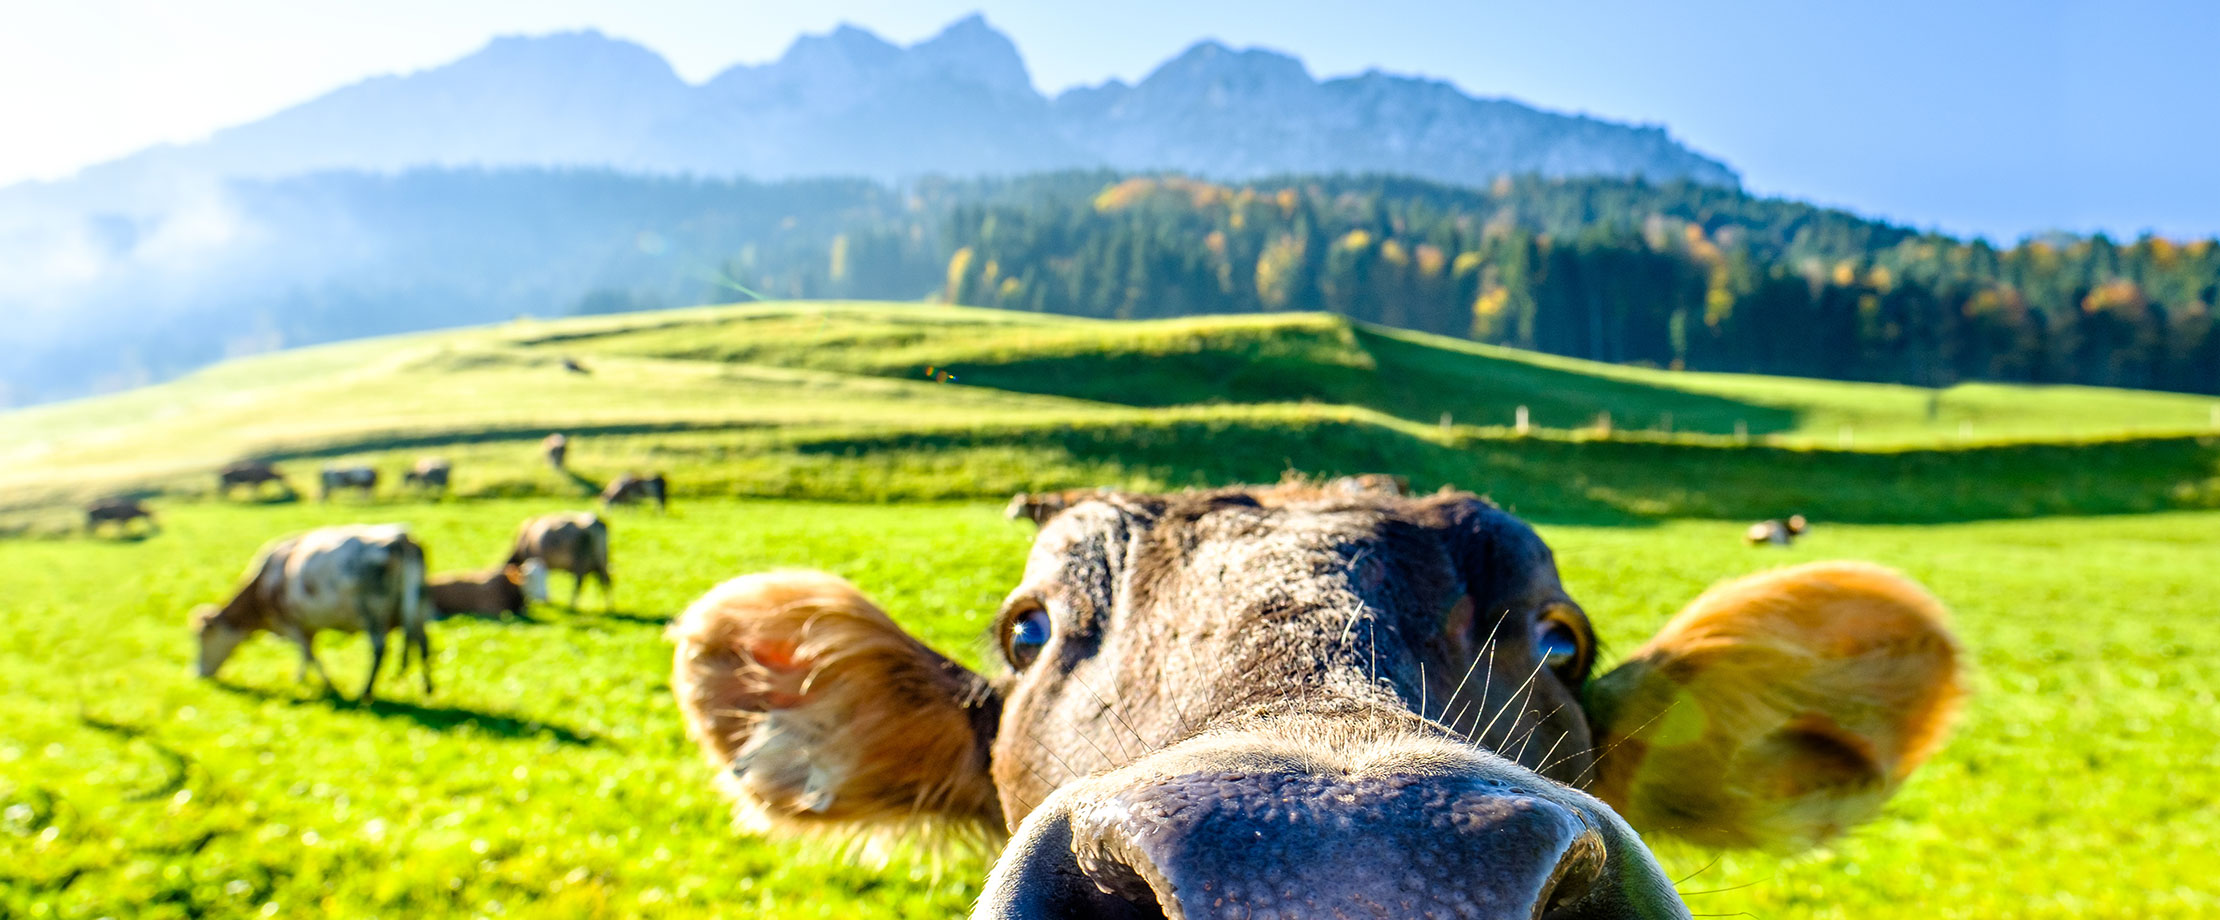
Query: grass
(772, 401)
(548, 776)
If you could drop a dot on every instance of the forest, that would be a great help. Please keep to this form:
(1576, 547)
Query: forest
(1678, 276)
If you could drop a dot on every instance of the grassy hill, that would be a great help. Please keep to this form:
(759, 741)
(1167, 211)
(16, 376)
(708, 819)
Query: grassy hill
(893, 401)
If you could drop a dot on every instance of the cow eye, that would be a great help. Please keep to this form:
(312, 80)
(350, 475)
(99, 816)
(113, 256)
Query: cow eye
(1561, 647)
(1026, 635)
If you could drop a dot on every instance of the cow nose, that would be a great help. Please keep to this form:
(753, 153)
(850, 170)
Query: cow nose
(1206, 846)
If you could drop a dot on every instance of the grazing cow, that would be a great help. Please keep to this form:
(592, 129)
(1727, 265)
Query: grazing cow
(356, 578)
(430, 474)
(250, 474)
(1776, 532)
(1289, 702)
(120, 512)
(574, 542)
(1038, 507)
(571, 364)
(628, 489)
(360, 478)
(507, 589)
(555, 447)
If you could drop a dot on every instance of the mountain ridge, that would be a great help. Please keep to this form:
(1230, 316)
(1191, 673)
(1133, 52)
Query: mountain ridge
(962, 102)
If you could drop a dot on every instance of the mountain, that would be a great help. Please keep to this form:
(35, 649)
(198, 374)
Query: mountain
(849, 103)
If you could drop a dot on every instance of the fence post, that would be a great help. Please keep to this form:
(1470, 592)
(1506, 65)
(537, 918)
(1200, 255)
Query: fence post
(1445, 423)
(1844, 439)
(1667, 421)
(1521, 425)
(1742, 431)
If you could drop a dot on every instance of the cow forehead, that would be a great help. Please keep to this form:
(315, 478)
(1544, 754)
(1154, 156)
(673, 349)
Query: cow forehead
(1237, 545)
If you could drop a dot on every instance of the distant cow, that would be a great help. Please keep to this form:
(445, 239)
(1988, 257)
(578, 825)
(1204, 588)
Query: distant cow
(555, 446)
(574, 542)
(356, 578)
(1038, 507)
(1370, 484)
(571, 364)
(506, 589)
(628, 489)
(251, 474)
(1776, 532)
(362, 478)
(429, 474)
(120, 512)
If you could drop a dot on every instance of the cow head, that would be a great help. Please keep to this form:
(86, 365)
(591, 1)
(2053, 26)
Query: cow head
(219, 636)
(530, 577)
(1299, 703)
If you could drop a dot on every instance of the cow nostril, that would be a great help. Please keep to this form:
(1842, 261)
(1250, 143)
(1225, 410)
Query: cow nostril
(1575, 876)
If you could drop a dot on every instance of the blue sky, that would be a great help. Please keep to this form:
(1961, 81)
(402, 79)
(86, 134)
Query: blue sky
(1973, 117)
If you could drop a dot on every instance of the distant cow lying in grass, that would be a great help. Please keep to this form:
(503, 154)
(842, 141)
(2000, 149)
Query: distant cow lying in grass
(1038, 507)
(1776, 532)
(250, 475)
(355, 579)
(1290, 702)
(574, 542)
(506, 589)
(360, 478)
(429, 474)
(629, 489)
(120, 512)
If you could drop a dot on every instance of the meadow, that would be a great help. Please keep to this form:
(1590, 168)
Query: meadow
(2071, 529)
(548, 776)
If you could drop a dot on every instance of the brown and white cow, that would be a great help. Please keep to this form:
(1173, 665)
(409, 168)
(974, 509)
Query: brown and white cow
(1776, 532)
(356, 579)
(1038, 507)
(250, 475)
(506, 589)
(574, 542)
(632, 488)
(1296, 702)
(428, 474)
(556, 449)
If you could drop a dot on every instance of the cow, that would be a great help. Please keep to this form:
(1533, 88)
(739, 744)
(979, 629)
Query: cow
(120, 512)
(355, 578)
(574, 542)
(630, 488)
(571, 364)
(1039, 507)
(506, 589)
(1293, 702)
(1382, 483)
(251, 475)
(556, 448)
(429, 474)
(360, 478)
(1776, 532)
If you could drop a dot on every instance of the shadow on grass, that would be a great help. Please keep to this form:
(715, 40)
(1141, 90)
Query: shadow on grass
(437, 718)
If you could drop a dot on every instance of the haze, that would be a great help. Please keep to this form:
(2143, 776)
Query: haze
(2001, 119)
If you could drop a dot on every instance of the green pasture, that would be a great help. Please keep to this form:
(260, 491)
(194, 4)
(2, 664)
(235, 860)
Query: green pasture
(548, 775)
(958, 403)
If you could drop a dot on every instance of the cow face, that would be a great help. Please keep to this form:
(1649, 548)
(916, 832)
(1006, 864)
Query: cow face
(1281, 701)
(219, 637)
(531, 578)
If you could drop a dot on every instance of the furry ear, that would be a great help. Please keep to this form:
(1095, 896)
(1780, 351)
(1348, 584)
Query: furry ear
(1777, 710)
(827, 718)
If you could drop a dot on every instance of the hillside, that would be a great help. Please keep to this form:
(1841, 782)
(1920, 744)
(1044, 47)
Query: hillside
(866, 401)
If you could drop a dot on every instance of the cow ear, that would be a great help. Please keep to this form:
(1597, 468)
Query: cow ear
(824, 717)
(1777, 710)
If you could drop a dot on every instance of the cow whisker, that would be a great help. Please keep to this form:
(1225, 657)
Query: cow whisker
(1115, 714)
(1715, 857)
(1518, 696)
(1691, 894)
(1059, 758)
(1476, 659)
(1528, 738)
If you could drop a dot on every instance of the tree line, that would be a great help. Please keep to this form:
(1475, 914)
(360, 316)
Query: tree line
(1678, 275)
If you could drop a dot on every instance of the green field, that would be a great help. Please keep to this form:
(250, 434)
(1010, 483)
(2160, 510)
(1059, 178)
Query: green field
(548, 776)
(2072, 530)
(852, 402)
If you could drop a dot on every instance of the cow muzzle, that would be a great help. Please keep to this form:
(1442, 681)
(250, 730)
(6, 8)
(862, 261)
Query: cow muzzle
(1212, 844)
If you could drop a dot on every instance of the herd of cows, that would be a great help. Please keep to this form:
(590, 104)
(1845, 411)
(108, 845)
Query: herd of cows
(1305, 699)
